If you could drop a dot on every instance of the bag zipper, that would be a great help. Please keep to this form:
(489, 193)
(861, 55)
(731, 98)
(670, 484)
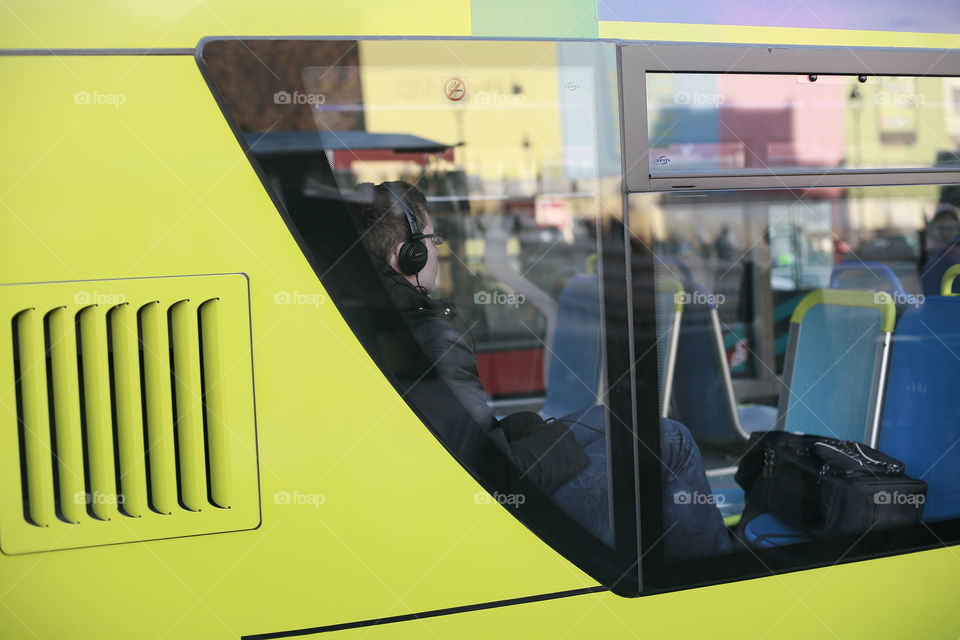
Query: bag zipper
(768, 455)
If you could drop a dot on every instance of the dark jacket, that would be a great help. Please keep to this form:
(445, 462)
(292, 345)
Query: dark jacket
(546, 453)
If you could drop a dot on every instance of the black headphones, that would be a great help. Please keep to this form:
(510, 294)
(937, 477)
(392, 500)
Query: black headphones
(412, 257)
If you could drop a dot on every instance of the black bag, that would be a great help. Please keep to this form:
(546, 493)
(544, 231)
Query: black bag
(828, 487)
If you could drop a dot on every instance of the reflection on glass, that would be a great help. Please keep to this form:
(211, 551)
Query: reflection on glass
(741, 122)
(515, 149)
(810, 312)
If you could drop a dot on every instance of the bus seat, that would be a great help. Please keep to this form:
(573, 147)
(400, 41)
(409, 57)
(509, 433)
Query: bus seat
(875, 276)
(756, 417)
(702, 387)
(574, 378)
(576, 367)
(767, 531)
(921, 416)
(835, 370)
(949, 277)
(833, 380)
(866, 274)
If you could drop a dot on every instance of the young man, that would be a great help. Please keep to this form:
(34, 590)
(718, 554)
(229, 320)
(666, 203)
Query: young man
(567, 458)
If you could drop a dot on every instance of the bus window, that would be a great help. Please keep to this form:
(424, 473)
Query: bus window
(728, 123)
(507, 156)
(600, 371)
(833, 310)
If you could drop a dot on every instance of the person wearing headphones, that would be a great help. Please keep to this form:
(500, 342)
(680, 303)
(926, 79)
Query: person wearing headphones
(565, 458)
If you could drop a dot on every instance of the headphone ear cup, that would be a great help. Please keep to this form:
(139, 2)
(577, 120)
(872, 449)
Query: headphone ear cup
(412, 257)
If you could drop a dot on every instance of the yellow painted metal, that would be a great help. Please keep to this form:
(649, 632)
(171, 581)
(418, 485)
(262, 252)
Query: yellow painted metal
(136, 513)
(215, 409)
(679, 32)
(66, 404)
(189, 404)
(362, 508)
(159, 408)
(946, 283)
(879, 300)
(181, 23)
(102, 498)
(35, 423)
(125, 346)
(805, 604)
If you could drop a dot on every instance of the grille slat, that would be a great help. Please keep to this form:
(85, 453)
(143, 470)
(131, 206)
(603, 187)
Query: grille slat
(97, 416)
(129, 414)
(66, 404)
(159, 409)
(218, 458)
(35, 418)
(189, 405)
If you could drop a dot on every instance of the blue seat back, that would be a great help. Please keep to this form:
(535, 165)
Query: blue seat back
(573, 381)
(921, 415)
(834, 361)
(866, 274)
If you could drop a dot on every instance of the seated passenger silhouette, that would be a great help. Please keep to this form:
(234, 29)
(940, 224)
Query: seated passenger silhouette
(941, 250)
(565, 458)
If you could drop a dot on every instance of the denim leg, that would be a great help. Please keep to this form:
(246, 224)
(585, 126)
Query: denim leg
(584, 497)
(690, 516)
(695, 528)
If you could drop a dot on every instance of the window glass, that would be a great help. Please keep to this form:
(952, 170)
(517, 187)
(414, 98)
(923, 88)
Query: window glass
(821, 311)
(516, 182)
(729, 123)
(507, 155)
(816, 312)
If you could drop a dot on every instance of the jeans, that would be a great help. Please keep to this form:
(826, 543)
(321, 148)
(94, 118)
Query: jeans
(692, 524)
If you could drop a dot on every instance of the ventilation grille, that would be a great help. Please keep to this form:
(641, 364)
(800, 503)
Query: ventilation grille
(121, 415)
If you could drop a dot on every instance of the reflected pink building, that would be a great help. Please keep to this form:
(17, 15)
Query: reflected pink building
(784, 121)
